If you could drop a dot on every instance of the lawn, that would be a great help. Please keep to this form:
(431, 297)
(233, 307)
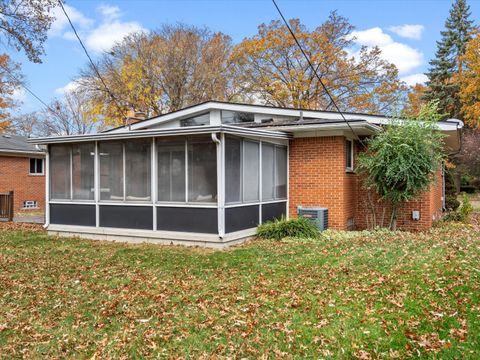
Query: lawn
(357, 294)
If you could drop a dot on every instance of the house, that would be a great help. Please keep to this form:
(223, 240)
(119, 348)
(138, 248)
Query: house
(210, 173)
(22, 170)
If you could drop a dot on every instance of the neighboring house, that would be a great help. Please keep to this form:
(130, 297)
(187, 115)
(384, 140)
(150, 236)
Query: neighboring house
(22, 169)
(210, 173)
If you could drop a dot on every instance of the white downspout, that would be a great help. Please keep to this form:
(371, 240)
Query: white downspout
(220, 186)
(47, 188)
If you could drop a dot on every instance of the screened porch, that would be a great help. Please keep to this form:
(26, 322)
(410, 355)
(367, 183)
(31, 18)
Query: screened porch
(212, 183)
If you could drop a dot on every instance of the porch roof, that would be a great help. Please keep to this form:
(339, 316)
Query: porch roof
(191, 130)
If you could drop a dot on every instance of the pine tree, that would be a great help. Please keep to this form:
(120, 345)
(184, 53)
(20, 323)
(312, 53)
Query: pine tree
(441, 86)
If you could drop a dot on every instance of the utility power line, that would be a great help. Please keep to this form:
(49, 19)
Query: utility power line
(30, 91)
(316, 73)
(89, 57)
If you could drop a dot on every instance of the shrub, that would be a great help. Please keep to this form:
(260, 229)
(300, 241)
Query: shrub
(451, 202)
(279, 229)
(463, 213)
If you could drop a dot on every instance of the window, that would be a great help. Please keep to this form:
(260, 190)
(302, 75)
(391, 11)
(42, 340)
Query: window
(60, 172)
(232, 117)
(202, 171)
(137, 170)
(251, 170)
(196, 121)
(83, 158)
(280, 172)
(111, 171)
(71, 171)
(233, 169)
(30, 204)
(268, 171)
(349, 154)
(36, 166)
(125, 170)
(171, 171)
(242, 171)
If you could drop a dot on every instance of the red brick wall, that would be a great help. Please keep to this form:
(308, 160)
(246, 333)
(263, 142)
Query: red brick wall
(14, 175)
(318, 179)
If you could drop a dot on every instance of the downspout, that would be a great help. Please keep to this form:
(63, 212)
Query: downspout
(220, 187)
(47, 188)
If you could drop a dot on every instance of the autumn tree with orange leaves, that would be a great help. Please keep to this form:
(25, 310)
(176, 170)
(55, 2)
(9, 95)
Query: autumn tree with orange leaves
(270, 68)
(164, 70)
(414, 101)
(469, 83)
(10, 80)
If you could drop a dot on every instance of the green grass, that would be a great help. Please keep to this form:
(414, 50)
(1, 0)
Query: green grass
(379, 295)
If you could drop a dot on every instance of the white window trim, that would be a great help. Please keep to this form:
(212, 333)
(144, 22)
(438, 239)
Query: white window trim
(349, 168)
(36, 173)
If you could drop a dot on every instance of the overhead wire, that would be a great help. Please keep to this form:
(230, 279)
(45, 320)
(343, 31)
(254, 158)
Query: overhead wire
(332, 101)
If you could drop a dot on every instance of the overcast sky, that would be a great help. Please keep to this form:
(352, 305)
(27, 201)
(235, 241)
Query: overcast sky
(406, 31)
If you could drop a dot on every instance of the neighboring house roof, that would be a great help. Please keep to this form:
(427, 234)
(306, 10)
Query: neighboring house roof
(15, 144)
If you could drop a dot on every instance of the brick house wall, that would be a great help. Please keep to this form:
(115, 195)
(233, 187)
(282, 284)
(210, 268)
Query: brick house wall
(14, 175)
(318, 178)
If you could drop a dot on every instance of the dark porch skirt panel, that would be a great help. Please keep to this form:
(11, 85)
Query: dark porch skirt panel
(274, 211)
(188, 219)
(126, 217)
(241, 218)
(72, 214)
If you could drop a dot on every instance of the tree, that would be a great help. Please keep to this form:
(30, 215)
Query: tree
(469, 83)
(414, 101)
(400, 162)
(164, 70)
(270, 68)
(71, 115)
(10, 80)
(24, 25)
(447, 61)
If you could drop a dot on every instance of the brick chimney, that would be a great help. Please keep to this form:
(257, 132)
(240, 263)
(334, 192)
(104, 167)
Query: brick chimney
(134, 117)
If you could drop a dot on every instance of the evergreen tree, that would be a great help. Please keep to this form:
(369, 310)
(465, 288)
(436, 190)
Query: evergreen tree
(441, 86)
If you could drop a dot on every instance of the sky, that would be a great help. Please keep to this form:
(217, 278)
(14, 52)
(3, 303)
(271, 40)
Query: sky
(405, 30)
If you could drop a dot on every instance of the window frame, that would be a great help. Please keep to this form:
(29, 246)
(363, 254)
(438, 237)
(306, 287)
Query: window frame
(124, 199)
(186, 141)
(36, 173)
(349, 167)
(34, 203)
(71, 198)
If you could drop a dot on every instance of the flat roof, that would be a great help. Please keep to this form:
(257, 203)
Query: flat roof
(190, 130)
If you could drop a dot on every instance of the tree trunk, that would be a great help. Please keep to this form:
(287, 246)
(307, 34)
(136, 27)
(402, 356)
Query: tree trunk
(393, 218)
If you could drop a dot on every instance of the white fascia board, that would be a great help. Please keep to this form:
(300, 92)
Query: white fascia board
(442, 125)
(192, 130)
(22, 152)
(364, 126)
(257, 109)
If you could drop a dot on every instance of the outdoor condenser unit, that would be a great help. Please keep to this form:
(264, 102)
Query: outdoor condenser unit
(318, 215)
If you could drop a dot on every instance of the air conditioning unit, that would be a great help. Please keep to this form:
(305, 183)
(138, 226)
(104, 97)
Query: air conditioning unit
(318, 215)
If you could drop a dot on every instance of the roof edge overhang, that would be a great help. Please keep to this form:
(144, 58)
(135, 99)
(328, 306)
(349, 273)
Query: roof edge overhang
(360, 127)
(21, 152)
(193, 130)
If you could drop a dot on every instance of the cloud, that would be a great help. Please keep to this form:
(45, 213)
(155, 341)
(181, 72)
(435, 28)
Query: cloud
(412, 80)
(403, 56)
(109, 12)
(408, 31)
(107, 34)
(71, 86)
(97, 37)
(61, 22)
